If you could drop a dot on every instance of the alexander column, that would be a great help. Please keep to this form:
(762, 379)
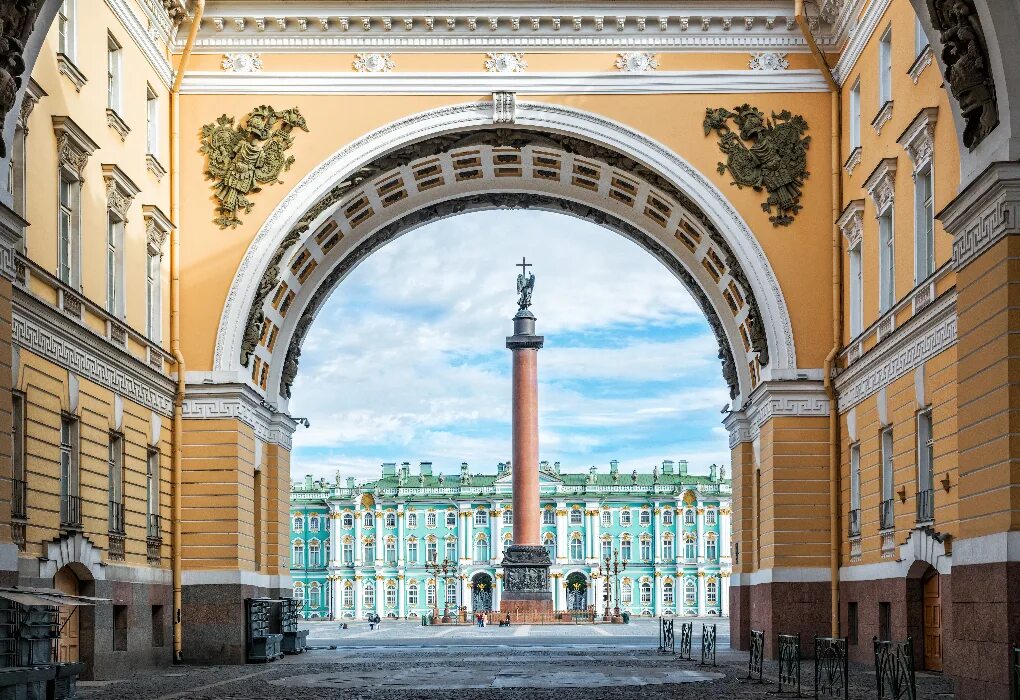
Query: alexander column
(526, 562)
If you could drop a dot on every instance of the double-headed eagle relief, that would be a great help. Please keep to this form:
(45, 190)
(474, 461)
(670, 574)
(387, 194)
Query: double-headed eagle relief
(775, 162)
(243, 157)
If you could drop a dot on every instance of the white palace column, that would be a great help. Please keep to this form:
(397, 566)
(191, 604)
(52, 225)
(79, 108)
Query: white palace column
(657, 537)
(401, 548)
(495, 535)
(724, 534)
(701, 533)
(464, 535)
(595, 552)
(401, 596)
(334, 537)
(657, 592)
(724, 594)
(561, 532)
(590, 514)
(380, 596)
(465, 593)
(378, 535)
(358, 589)
(561, 590)
(497, 589)
(701, 593)
(359, 551)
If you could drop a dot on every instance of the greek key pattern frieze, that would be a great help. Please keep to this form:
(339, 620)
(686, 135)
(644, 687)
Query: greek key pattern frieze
(246, 411)
(997, 219)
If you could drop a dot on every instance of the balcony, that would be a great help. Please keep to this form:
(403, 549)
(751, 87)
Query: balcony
(886, 515)
(925, 506)
(154, 531)
(18, 499)
(854, 525)
(117, 517)
(70, 513)
(154, 539)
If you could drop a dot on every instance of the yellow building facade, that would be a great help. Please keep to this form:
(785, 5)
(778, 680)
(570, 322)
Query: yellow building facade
(187, 182)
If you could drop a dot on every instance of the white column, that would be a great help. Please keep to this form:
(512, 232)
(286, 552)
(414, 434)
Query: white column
(657, 532)
(497, 590)
(561, 593)
(495, 525)
(656, 593)
(701, 533)
(401, 597)
(336, 612)
(561, 532)
(596, 538)
(469, 529)
(587, 532)
(358, 589)
(334, 536)
(377, 534)
(700, 580)
(401, 543)
(465, 595)
(359, 553)
(380, 596)
(724, 534)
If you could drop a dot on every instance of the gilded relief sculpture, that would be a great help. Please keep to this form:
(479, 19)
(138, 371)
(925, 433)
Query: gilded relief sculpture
(775, 162)
(245, 156)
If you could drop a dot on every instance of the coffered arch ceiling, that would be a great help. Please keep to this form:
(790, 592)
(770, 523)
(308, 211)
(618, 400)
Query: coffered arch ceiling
(456, 160)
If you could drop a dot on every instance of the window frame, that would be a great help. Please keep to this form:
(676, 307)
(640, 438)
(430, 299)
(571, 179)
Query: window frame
(114, 74)
(886, 259)
(856, 274)
(885, 61)
(924, 222)
(855, 116)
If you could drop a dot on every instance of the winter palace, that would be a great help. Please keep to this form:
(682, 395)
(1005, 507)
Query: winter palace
(360, 548)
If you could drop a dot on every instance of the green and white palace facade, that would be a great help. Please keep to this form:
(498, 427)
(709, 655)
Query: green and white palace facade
(359, 548)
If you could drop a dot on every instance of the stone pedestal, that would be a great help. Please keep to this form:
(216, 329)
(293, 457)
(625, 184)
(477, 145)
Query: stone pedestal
(526, 581)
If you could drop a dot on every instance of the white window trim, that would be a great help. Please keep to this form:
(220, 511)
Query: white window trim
(120, 193)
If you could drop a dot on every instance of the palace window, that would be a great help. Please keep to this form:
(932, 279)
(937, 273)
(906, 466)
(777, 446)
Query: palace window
(297, 559)
(451, 518)
(924, 224)
(576, 516)
(689, 516)
(690, 549)
(712, 593)
(391, 551)
(607, 549)
(299, 523)
(348, 595)
(412, 520)
(710, 516)
(855, 116)
(920, 38)
(625, 517)
(482, 549)
(576, 546)
(18, 453)
(151, 486)
(625, 552)
(667, 593)
(886, 261)
(646, 549)
(607, 517)
(412, 552)
(430, 595)
(626, 593)
(856, 291)
(432, 551)
(451, 550)
(645, 518)
(711, 551)
(855, 490)
(69, 454)
(348, 521)
(925, 467)
(68, 231)
(549, 540)
(481, 517)
(391, 520)
(667, 517)
(115, 468)
(507, 541)
(299, 592)
(369, 551)
(690, 593)
(151, 122)
(548, 516)
(667, 549)
(646, 593)
(66, 29)
(430, 519)
(508, 517)
(451, 593)
(369, 596)
(391, 596)
(368, 519)
(114, 264)
(412, 595)
(886, 506)
(313, 554)
(314, 595)
(313, 523)
(885, 68)
(113, 73)
(347, 552)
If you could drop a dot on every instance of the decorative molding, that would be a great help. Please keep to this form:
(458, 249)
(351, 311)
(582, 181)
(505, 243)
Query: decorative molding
(851, 223)
(374, 63)
(768, 61)
(783, 399)
(853, 160)
(505, 63)
(859, 38)
(918, 340)
(73, 145)
(918, 139)
(33, 93)
(883, 117)
(67, 67)
(984, 213)
(12, 227)
(242, 63)
(739, 427)
(504, 107)
(218, 401)
(115, 122)
(39, 329)
(157, 227)
(552, 83)
(153, 165)
(923, 60)
(140, 35)
(120, 190)
(637, 62)
(881, 185)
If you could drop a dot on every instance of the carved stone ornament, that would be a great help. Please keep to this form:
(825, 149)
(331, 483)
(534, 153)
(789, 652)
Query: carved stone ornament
(241, 158)
(504, 107)
(967, 69)
(768, 60)
(851, 223)
(881, 185)
(242, 63)
(116, 200)
(918, 139)
(69, 155)
(637, 62)
(17, 19)
(374, 63)
(505, 62)
(775, 162)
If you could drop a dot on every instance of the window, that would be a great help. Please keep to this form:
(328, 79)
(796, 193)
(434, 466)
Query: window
(886, 515)
(313, 523)
(507, 541)
(432, 551)
(298, 555)
(18, 453)
(851, 623)
(391, 596)
(667, 517)
(481, 517)
(313, 553)
(855, 489)
(885, 68)
(151, 122)
(576, 516)
(369, 595)
(369, 551)
(924, 224)
(607, 517)
(884, 622)
(712, 593)
(430, 519)
(667, 549)
(451, 518)
(430, 595)
(152, 488)
(646, 593)
(451, 593)
(115, 470)
(856, 292)
(347, 552)
(690, 593)
(113, 56)
(348, 595)
(887, 261)
(576, 547)
(855, 116)
(711, 550)
(508, 517)
(68, 238)
(120, 627)
(158, 626)
(451, 550)
(69, 468)
(482, 549)
(690, 548)
(348, 521)
(548, 516)
(607, 549)
(667, 593)
(412, 520)
(550, 545)
(627, 593)
(153, 295)
(391, 551)
(412, 595)
(391, 520)
(314, 595)
(625, 550)
(710, 516)
(925, 467)
(920, 40)
(645, 518)
(66, 34)
(299, 592)
(646, 549)
(625, 517)
(412, 552)
(689, 516)
(299, 523)
(368, 519)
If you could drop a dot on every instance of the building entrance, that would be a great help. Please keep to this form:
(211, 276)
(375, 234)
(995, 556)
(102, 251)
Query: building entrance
(481, 593)
(932, 602)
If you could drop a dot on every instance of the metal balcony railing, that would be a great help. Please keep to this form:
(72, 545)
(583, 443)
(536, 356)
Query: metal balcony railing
(855, 522)
(70, 512)
(925, 506)
(18, 509)
(117, 517)
(154, 531)
(886, 516)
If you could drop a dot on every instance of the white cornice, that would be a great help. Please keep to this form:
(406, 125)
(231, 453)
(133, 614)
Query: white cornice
(153, 53)
(859, 38)
(658, 82)
(218, 401)
(785, 398)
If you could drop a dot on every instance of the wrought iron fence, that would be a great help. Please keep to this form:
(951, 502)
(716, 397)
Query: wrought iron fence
(755, 661)
(832, 668)
(116, 517)
(855, 522)
(70, 512)
(894, 670)
(666, 639)
(789, 663)
(925, 506)
(18, 499)
(708, 645)
(886, 516)
(686, 634)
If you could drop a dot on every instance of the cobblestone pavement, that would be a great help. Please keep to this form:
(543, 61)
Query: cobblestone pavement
(537, 663)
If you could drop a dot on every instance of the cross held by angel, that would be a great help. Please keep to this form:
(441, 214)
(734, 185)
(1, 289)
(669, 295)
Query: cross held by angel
(525, 284)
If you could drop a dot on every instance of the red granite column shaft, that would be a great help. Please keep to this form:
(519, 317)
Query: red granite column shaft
(525, 446)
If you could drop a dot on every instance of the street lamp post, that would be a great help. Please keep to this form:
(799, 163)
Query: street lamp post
(446, 569)
(614, 567)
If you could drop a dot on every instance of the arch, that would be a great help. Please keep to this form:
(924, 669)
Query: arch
(692, 222)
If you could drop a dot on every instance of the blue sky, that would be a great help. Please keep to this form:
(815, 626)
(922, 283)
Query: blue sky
(406, 361)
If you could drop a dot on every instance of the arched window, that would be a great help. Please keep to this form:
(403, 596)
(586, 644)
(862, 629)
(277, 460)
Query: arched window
(507, 541)
(451, 518)
(548, 516)
(298, 558)
(627, 592)
(451, 549)
(412, 520)
(576, 546)
(369, 595)
(432, 551)
(710, 516)
(508, 517)
(391, 594)
(712, 592)
(348, 598)
(481, 517)
(299, 592)
(412, 551)
(313, 554)
(646, 517)
(607, 517)
(667, 517)
(607, 549)
(368, 519)
(625, 516)
(369, 550)
(576, 516)
(348, 521)
(667, 548)
(451, 593)
(430, 519)
(482, 549)
(391, 550)
(313, 523)
(710, 547)
(299, 523)
(391, 520)
(667, 593)
(412, 595)
(689, 516)
(646, 593)
(690, 548)
(625, 549)
(549, 540)
(690, 593)
(347, 551)
(430, 595)
(314, 595)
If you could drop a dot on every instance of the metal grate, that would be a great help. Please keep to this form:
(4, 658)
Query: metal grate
(70, 512)
(886, 514)
(854, 524)
(925, 506)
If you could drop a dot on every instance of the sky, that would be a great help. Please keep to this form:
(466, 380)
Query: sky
(406, 361)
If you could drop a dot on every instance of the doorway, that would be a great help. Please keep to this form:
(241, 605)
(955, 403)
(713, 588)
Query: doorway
(577, 592)
(68, 645)
(932, 601)
(481, 593)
